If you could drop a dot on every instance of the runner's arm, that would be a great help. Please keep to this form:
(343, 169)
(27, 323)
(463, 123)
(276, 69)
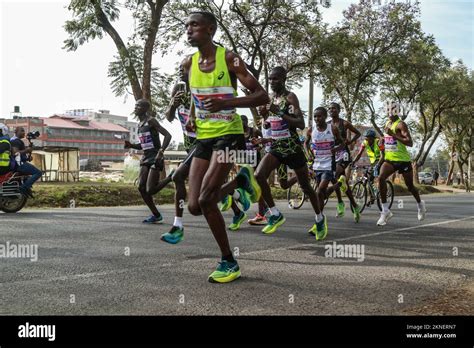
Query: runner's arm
(170, 112)
(354, 130)
(297, 120)
(337, 135)
(257, 95)
(404, 137)
(359, 154)
(159, 128)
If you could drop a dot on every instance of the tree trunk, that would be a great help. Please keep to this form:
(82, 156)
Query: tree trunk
(311, 98)
(462, 172)
(415, 173)
(156, 11)
(121, 48)
(449, 179)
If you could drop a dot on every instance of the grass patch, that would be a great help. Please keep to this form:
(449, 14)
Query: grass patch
(98, 194)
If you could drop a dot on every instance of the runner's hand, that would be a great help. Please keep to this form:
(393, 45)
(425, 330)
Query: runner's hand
(177, 99)
(214, 104)
(191, 125)
(389, 131)
(274, 108)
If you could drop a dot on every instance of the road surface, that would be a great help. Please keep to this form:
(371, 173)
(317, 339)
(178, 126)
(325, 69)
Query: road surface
(96, 261)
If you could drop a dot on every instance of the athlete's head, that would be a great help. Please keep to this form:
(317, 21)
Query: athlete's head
(277, 79)
(3, 129)
(200, 28)
(20, 132)
(393, 109)
(141, 107)
(334, 109)
(320, 115)
(245, 121)
(370, 136)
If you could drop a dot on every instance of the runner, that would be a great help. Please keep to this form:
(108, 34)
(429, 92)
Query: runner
(213, 72)
(323, 144)
(241, 195)
(266, 142)
(180, 102)
(284, 115)
(152, 162)
(397, 158)
(343, 160)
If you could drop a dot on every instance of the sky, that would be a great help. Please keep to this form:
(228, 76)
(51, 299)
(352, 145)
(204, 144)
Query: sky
(44, 79)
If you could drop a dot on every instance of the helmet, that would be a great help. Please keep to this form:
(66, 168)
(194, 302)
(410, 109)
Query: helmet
(370, 133)
(4, 129)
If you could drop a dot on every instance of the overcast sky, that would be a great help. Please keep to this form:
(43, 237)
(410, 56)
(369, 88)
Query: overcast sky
(43, 79)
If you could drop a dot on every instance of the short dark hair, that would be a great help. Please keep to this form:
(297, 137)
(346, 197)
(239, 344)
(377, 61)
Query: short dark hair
(280, 70)
(323, 109)
(336, 105)
(208, 16)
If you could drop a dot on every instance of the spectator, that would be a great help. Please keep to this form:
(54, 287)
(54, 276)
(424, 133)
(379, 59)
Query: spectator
(435, 177)
(467, 184)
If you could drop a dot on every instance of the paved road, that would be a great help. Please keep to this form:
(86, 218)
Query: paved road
(82, 253)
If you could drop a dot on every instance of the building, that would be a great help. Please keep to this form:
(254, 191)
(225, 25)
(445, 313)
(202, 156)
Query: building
(107, 117)
(102, 141)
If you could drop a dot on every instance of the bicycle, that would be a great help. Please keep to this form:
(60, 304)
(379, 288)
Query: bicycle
(365, 186)
(295, 195)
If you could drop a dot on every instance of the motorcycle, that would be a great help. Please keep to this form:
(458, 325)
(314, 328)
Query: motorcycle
(12, 199)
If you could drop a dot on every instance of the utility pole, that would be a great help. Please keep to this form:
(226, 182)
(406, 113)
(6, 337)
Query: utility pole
(311, 97)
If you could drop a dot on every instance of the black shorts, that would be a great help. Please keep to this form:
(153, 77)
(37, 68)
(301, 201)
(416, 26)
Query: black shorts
(205, 147)
(401, 167)
(295, 160)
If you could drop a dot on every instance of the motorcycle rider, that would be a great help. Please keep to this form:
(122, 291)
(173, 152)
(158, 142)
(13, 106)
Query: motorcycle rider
(5, 148)
(24, 167)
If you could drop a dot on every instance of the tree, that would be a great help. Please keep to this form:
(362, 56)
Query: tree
(265, 33)
(132, 67)
(350, 57)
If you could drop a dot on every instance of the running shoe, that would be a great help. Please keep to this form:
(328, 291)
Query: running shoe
(321, 228)
(274, 221)
(226, 203)
(342, 181)
(422, 211)
(225, 272)
(356, 214)
(251, 185)
(384, 217)
(244, 199)
(312, 230)
(341, 209)
(152, 219)
(258, 220)
(174, 236)
(237, 221)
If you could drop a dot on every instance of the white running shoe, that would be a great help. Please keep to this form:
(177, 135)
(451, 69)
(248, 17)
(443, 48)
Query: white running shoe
(422, 211)
(384, 217)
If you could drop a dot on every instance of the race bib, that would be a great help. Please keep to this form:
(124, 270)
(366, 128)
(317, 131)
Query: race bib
(183, 115)
(322, 148)
(390, 143)
(279, 128)
(201, 94)
(146, 141)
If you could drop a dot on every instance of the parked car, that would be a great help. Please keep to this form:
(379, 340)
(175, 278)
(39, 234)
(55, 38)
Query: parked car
(426, 178)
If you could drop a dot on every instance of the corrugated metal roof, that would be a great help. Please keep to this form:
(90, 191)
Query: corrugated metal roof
(57, 121)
